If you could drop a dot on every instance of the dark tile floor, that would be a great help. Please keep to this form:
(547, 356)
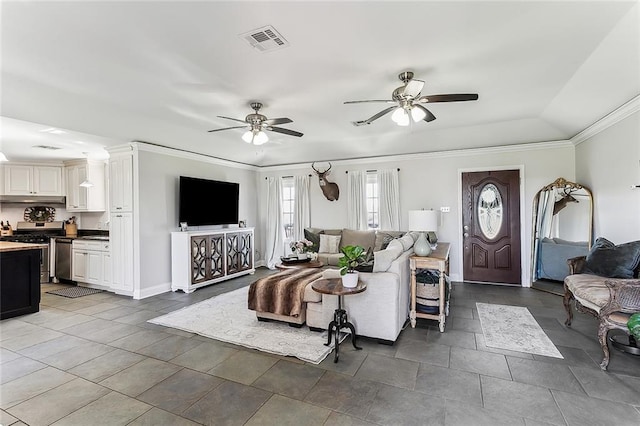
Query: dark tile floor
(95, 360)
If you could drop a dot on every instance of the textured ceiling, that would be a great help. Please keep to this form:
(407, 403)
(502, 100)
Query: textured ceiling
(160, 72)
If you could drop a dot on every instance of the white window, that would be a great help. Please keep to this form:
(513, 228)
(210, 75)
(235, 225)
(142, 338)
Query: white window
(373, 206)
(288, 203)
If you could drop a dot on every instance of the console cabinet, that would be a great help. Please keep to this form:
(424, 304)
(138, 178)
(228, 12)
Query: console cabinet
(200, 258)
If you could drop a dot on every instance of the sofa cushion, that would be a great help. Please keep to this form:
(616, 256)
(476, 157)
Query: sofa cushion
(332, 231)
(364, 239)
(383, 238)
(406, 241)
(613, 261)
(382, 259)
(589, 290)
(313, 235)
(329, 244)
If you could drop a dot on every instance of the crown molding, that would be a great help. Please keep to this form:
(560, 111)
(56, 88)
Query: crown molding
(608, 120)
(190, 155)
(430, 155)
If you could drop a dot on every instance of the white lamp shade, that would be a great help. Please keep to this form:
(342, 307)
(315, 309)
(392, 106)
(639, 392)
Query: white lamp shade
(417, 114)
(260, 138)
(247, 136)
(400, 117)
(3, 157)
(423, 220)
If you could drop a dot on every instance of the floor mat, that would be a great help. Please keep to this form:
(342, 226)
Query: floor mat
(73, 292)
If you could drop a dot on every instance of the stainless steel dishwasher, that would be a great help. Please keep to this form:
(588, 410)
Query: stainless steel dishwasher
(64, 258)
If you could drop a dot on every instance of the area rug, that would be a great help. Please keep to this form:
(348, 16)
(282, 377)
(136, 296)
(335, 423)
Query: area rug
(514, 328)
(73, 292)
(227, 318)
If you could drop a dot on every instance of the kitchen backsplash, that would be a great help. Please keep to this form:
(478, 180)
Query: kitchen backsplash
(15, 213)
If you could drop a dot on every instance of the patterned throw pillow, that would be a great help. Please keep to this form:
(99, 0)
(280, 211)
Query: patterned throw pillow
(329, 243)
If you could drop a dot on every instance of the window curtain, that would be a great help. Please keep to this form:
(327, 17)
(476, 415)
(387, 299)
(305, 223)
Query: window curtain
(274, 228)
(544, 222)
(389, 199)
(301, 208)
(357, 200)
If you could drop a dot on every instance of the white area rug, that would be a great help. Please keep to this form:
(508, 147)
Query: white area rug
(514, 328)
(227, 318)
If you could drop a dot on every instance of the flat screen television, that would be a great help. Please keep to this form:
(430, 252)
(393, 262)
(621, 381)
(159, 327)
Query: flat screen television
(208, 202)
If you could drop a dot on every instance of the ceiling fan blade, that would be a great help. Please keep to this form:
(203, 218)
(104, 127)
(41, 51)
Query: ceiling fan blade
(228, 128)
(429, 117)
(413, 88)
(229, 118)
(388, 101)
(374, 117)
(276, 121)
(284, 131)
(453, 97)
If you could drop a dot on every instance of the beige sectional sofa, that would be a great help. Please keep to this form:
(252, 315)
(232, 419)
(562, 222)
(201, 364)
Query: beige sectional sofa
(382, 310)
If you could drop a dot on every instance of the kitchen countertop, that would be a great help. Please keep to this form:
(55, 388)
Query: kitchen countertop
(9, 246)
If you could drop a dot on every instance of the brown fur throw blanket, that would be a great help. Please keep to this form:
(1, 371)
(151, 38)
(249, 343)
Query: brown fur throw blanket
(282, 293)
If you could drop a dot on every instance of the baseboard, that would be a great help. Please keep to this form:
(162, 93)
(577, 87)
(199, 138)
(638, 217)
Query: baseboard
(152, 291)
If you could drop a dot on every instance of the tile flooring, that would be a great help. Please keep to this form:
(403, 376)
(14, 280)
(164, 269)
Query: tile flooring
(95, 360)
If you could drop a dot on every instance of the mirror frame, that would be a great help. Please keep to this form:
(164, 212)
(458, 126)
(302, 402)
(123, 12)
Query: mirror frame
(564, 184)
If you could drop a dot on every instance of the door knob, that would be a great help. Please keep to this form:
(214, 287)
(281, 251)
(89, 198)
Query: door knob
(466, 227)
(466, 234)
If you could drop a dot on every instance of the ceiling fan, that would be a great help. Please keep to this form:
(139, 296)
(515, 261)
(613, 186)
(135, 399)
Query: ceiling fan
(408, 104)
(257, 124)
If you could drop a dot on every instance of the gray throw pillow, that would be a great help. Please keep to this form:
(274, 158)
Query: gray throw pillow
(613, 261)
(383, 238)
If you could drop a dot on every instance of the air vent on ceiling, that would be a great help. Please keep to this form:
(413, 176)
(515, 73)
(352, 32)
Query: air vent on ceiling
(265, 39)
(53, 148)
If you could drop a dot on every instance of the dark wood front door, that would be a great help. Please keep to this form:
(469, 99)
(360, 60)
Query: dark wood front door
(491, 226)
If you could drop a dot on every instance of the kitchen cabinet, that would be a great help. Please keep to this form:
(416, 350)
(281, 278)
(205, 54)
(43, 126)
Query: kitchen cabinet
(121, 182)
(200, 258)
(85, 199)
(22, 179)
(20, 278)
(89, 260)
(121, 241)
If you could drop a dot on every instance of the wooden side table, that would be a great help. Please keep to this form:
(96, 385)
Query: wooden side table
(334, 286)
(439, 260)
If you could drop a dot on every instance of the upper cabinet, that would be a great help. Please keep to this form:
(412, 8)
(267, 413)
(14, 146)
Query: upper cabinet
(121, 182)
(91, 198)
(32, 180)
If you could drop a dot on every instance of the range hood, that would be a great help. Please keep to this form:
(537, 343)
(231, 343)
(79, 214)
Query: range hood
(33, 199)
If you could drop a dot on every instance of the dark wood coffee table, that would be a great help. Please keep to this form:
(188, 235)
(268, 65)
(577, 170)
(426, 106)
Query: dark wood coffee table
(334, 286)
(309, 264)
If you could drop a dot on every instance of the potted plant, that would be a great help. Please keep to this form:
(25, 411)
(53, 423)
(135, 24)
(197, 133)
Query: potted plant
(300, 248)
(354, 256)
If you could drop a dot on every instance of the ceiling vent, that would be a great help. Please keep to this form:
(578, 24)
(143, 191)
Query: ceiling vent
(265, 39)
(52, 148)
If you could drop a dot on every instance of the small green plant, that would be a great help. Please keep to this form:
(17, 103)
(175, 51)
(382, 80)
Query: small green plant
(634, 326)
(353, 257)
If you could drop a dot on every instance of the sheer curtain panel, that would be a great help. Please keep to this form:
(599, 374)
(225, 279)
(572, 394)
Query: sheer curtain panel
(302, 210)
(274, 229)
(389, 200)
(357, 200)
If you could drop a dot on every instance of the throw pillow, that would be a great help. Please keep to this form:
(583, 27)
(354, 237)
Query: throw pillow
(613, 261)
(329, 244)
(314, 237)
(383, 238)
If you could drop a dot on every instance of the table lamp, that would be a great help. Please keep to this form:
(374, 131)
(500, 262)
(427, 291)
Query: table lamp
(423, 221)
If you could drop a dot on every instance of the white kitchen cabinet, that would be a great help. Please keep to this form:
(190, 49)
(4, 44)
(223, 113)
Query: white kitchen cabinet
(121, 182)
(86, 199)
(121, 241)
(20, 179)
(89, 260)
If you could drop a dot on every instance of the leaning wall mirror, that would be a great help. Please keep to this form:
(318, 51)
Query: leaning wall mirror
(562, 228)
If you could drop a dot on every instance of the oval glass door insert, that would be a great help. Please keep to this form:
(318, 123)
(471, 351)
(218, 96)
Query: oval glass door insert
(490, 211)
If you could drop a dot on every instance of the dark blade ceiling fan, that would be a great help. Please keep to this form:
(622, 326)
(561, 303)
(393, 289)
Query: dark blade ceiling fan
(408, 104)
(257, 124)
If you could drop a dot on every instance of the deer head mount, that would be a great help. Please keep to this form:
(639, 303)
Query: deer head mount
(329, 189)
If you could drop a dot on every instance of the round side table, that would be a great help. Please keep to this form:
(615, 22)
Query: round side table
(309, 264)
(334, 287)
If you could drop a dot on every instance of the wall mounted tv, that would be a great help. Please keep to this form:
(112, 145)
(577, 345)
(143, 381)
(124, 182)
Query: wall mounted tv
(208, 202)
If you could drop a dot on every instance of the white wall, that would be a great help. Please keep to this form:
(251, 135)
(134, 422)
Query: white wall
(432, 181)
(609, 164)
(158, 200)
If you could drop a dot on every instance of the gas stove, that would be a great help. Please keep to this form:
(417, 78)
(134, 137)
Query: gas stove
(35, 232)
